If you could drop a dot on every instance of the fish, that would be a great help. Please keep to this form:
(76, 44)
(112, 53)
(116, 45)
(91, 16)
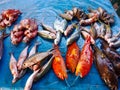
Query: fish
(113, 56)
(58, 38)
(39, 57)
(85, 34)
(108, 32)
(13, 67)
(66, 16)
(90, 20)
(34, 49)
(115, 44)
(48, 28)
(30, 80)
(58, 64)
(44, 69)
(86, 59)
(75, 36)
(47, 34)
(69, 29)
(60, 25)
(72, 56)
(114, 38)
(4, 35)
(32, 52)
(22, 58)
(105, 69)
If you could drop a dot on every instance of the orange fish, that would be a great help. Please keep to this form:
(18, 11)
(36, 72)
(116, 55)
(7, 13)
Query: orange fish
(86, 59)
(58, 64)
(72, 56)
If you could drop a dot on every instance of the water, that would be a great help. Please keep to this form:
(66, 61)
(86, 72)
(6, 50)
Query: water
(47, 11)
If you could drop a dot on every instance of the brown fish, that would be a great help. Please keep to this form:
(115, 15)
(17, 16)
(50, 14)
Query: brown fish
(113, 56)
(1, 43)
(105, 69)
(39, 57)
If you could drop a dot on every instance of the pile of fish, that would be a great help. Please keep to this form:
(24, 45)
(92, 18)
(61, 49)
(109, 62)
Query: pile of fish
(79, 62)
(8, 17)
(26, 30)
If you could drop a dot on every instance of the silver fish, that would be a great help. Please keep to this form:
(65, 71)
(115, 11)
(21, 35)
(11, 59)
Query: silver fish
(58, 38)
(60, 25)
(115, 44)
(13, 68)
(48, 28)
(73, 37)
(29, 82)
(22, 57)
(44, 70)
(46, 34)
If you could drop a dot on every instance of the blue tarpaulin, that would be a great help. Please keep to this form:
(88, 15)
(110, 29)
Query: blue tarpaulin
(47, 11)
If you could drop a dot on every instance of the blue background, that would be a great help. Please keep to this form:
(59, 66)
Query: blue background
(47, 11)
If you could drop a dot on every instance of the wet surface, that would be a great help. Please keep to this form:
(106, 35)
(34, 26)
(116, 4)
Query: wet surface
(47, 11)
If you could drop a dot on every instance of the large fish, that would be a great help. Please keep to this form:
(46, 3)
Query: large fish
(113, 56)
(105, 69)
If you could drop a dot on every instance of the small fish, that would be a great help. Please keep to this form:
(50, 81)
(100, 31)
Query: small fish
(66, 16)
(60, 25)
(114, 38)
(58, 38)
(34, 49)
(30, 80)
(21, 73)
(113, 56)
(115, 44)
(69, 29)
(1, 43)
(48, 28)
(13, 67)
(108, 32)
(47, 34)
(90, 20)
(22, 57)
(39, 57)
(93, 32)
(86, 34)
(44, 69)
(73, 37)
(32, 52)
(102, 29)
(105, 69)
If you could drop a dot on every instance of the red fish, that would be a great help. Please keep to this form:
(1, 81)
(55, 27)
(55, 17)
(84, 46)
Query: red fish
(58, 64)
(72, 56)
(86, 59)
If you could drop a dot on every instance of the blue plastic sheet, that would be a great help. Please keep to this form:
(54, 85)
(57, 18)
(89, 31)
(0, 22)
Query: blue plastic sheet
(47, 11)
